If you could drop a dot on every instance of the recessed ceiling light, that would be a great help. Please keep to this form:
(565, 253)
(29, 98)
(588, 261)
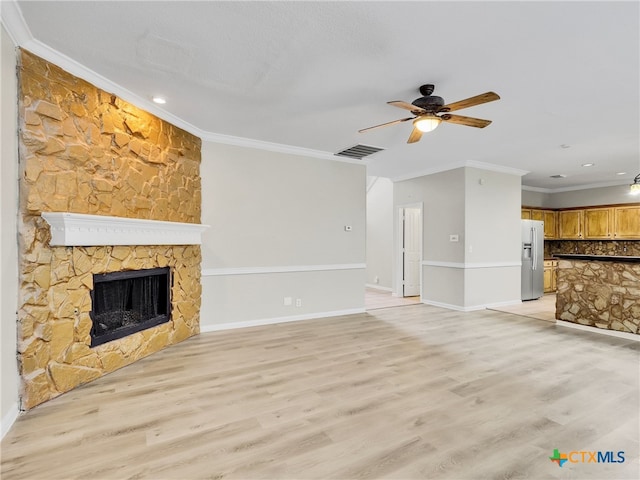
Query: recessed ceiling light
(159, 100)
(621, 173)
(588, 164)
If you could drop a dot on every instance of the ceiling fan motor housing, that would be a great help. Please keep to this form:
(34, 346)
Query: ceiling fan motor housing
(431, 103)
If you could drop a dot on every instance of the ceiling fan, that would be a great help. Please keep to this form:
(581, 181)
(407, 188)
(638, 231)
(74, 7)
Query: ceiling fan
(429, 110)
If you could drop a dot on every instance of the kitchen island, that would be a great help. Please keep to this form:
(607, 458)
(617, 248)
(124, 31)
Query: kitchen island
(599, 291)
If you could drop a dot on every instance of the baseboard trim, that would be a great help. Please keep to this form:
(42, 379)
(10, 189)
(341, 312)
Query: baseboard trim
(586, 328)
(473, 308)
(213, 272)
(449, 306)
(9, 419)
(276, 320)
(508, 303)
(378, 287)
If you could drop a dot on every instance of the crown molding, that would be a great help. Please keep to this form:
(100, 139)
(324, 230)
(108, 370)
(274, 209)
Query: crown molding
(274, 147)
(468, 163)
(536, 189)
(13, 22)
(575, 188)
(77, 69)
(496, 168)
(428, 171)
(21, 35)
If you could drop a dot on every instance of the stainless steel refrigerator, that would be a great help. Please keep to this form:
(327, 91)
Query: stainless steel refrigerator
(532, 259)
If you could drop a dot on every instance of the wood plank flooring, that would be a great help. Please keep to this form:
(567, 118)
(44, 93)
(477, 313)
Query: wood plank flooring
(414, 392)
(544, 308)
(374, 298)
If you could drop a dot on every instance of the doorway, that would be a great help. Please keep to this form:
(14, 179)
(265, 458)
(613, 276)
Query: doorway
(410, 251)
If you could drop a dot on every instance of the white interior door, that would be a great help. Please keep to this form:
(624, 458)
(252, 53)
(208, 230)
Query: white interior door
(411, 251)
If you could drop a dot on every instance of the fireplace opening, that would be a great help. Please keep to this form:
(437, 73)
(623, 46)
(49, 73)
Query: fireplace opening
(124, 303)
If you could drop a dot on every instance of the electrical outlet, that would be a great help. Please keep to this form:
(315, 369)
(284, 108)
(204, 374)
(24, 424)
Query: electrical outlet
(288, 301)
(298, 302)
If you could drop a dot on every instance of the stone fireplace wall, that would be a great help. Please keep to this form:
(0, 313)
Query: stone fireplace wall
(83, 150)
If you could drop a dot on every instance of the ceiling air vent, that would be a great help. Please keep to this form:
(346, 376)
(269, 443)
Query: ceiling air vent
(358, 151)
(560, 175)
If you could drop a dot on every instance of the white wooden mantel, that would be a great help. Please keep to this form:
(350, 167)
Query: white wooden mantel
(78, 229)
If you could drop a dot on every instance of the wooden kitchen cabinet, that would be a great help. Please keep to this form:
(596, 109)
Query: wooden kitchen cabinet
(627, 222)
(549, 217)
(550, 276)
(599, 223)
(612, 222)
(571, 224)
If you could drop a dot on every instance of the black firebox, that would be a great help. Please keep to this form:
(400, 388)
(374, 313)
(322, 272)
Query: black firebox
(127, 302)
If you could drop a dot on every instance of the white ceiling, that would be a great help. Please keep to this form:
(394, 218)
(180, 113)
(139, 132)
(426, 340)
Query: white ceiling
(311, 74)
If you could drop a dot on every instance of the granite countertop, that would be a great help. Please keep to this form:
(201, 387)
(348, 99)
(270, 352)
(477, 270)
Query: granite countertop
(601, 258)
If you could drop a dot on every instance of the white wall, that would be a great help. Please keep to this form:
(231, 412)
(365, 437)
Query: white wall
(483, 267)
(8, 237)
(277, 230)
(379, 232)
(592, 196)
(442, 195)
(579, 198)
(492, 240)
(534, 199)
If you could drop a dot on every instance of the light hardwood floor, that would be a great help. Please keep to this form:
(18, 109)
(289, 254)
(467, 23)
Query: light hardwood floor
(415, 392)
(543, 308)
(375, 298)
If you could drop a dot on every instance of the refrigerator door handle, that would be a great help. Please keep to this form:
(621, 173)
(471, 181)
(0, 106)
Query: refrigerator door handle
(534, 247)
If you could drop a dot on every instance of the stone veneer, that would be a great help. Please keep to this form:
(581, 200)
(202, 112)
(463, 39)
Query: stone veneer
(83, 150)
(603, 294)
(593, 247)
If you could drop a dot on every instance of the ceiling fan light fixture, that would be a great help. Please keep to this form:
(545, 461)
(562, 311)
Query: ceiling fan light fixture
(634, 188)
(427, 123)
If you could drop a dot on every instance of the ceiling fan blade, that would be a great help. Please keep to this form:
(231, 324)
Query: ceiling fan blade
(415, 136)
(470, 102)
(386, 124)
(468, 121)
(406, 106)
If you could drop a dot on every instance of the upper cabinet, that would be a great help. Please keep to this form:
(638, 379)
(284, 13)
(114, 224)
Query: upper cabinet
(571, 224)
(627, 222)
(615, 222)
(549, 217)
(599, 223)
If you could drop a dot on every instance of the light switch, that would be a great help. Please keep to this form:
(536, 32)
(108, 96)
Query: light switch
(347, 228)
(454, 238)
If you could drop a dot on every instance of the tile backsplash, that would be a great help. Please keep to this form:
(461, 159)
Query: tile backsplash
(593, 247)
